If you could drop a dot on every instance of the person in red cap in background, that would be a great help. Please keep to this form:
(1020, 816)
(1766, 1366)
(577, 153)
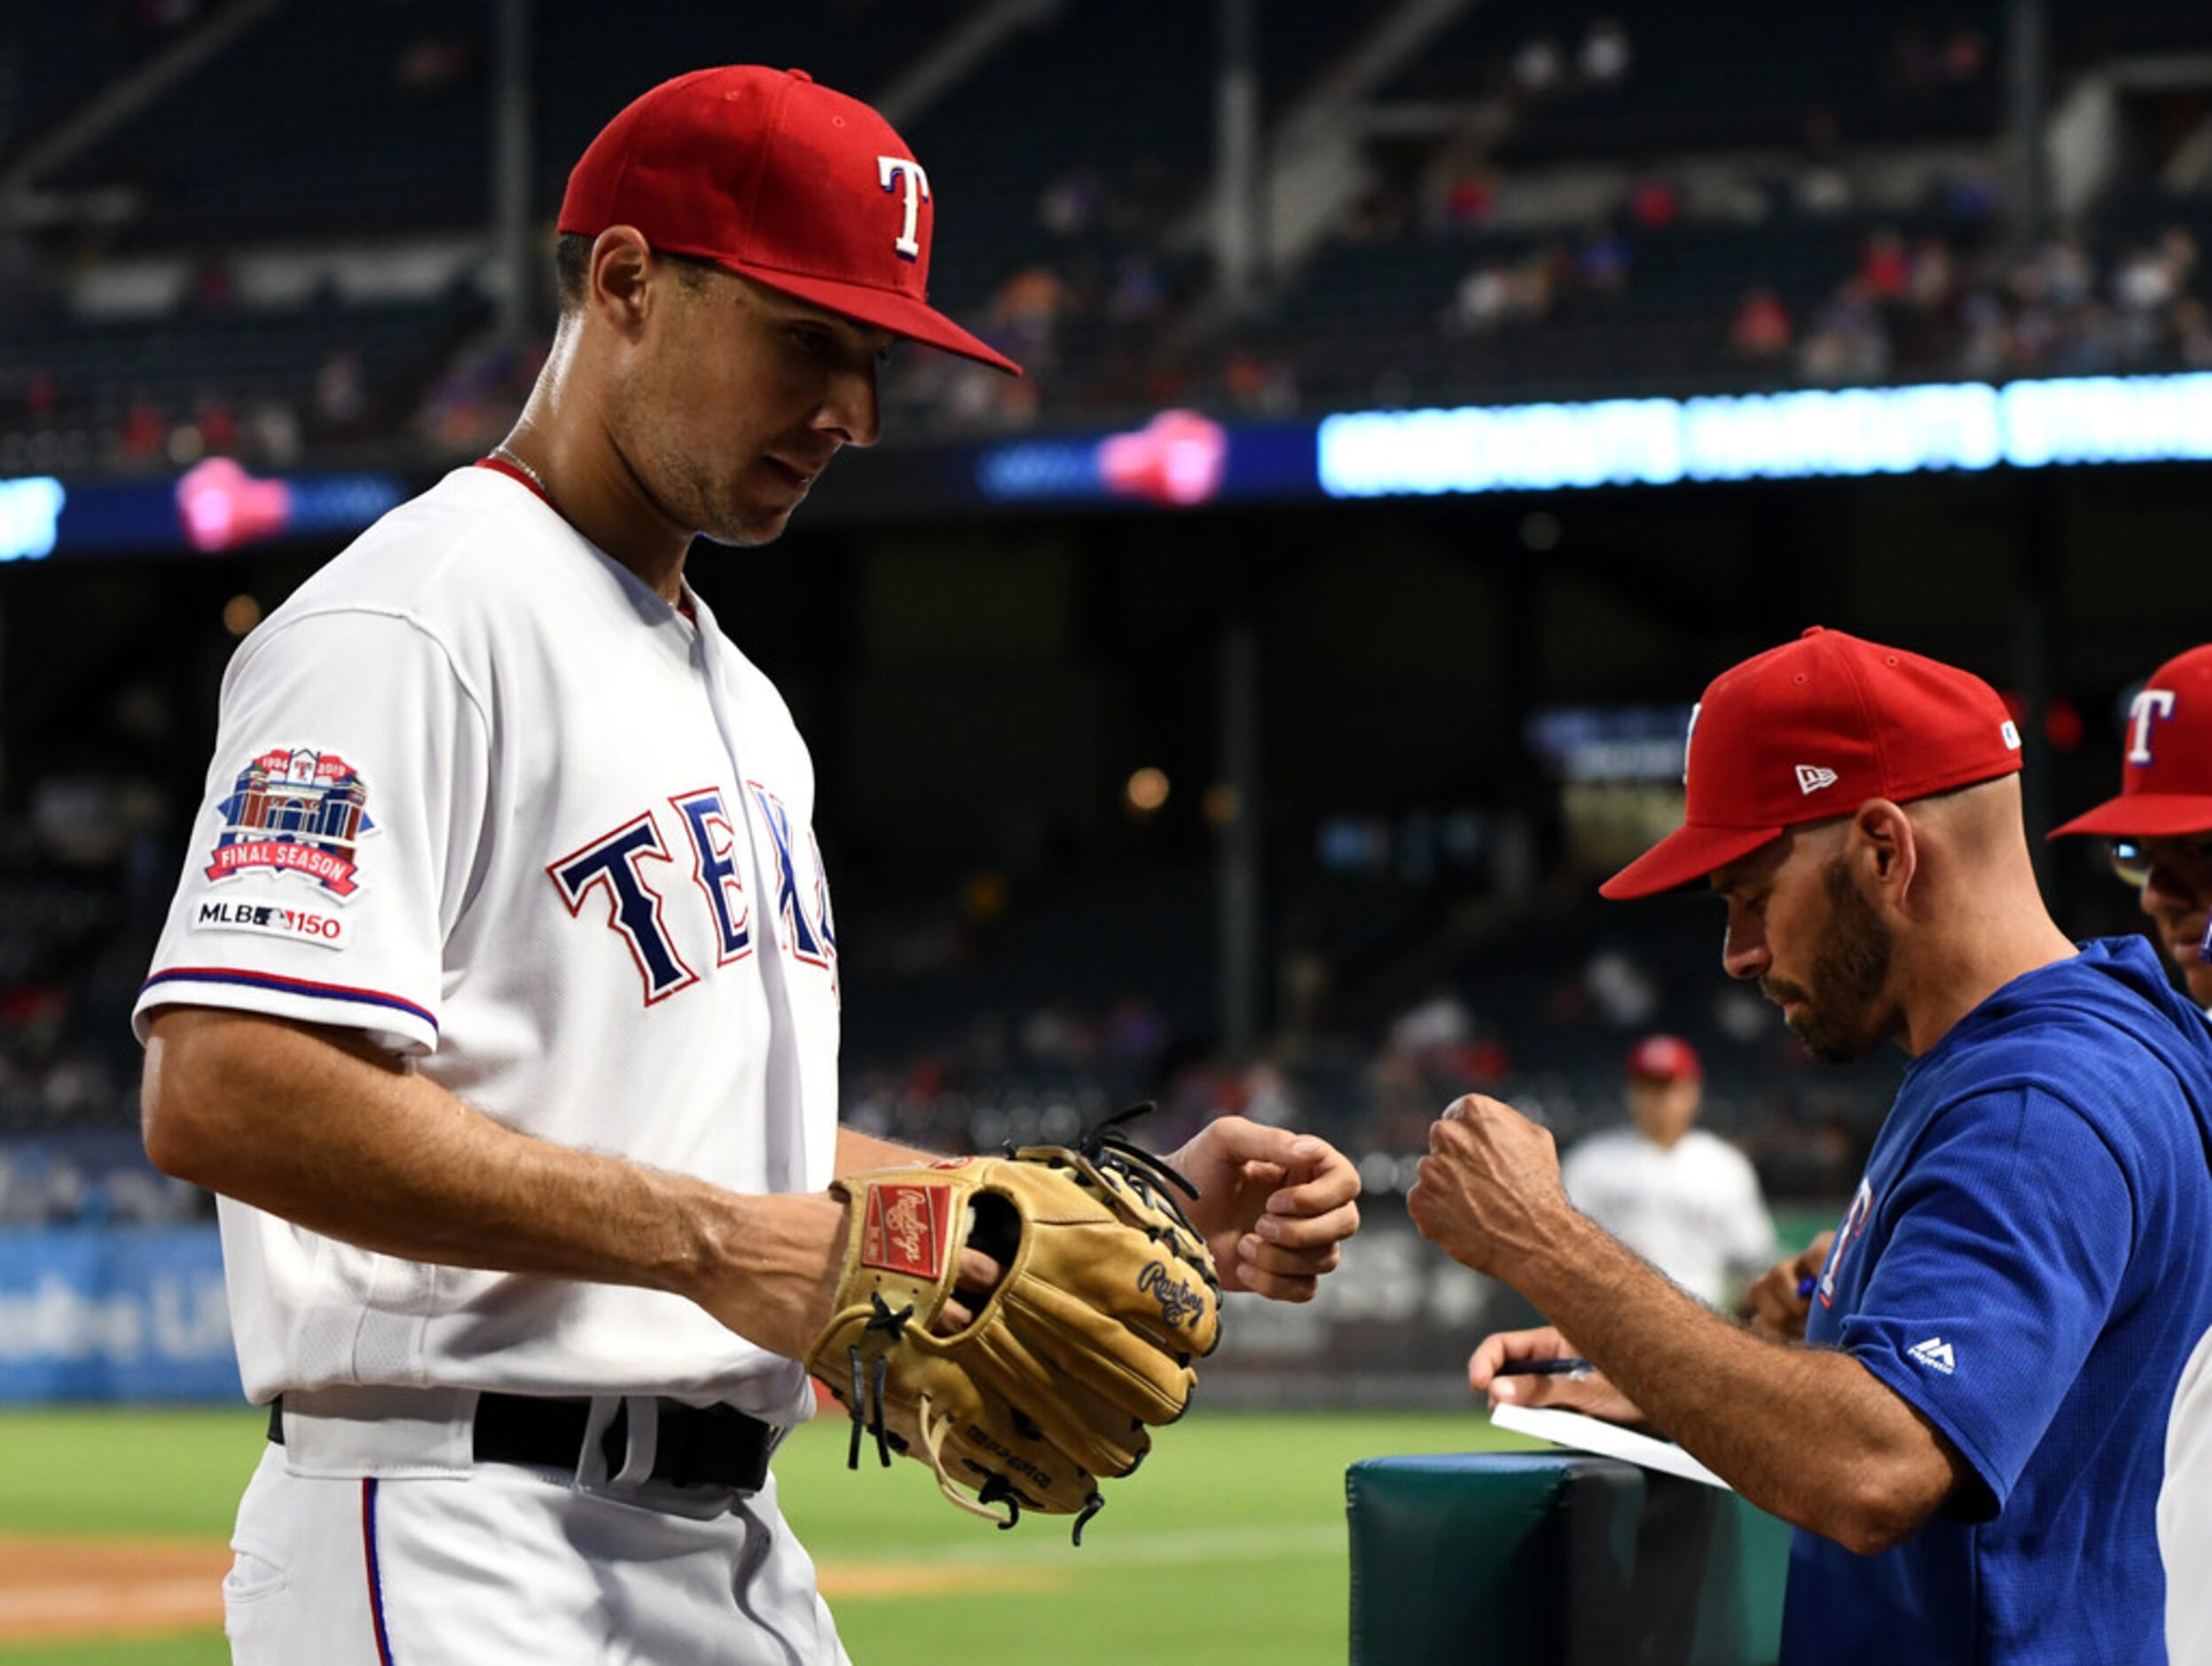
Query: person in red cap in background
(2161, 832)
(1683, 1198)
(2028, 1254)
(499, 1001)
(2160, 825)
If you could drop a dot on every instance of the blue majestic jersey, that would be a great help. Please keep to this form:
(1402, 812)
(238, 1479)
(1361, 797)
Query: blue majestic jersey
(2029, 1261)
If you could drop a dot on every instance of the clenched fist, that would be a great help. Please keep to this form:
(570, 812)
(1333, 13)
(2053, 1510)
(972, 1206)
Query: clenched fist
(1488, 1192)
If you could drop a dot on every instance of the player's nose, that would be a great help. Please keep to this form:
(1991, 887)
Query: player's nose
(1744, 951)
(851, 410)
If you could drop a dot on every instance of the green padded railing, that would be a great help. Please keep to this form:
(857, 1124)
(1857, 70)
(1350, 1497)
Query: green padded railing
(1557, 1558)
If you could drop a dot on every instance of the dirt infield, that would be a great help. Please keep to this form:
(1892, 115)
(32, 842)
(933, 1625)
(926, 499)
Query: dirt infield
(61, 1589)
(76, 1588)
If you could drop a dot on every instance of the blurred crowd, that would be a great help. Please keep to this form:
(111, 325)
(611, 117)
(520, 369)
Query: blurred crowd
(1105, 290)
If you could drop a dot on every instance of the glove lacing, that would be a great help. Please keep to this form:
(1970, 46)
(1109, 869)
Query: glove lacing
(1144, 1173)
(868, 1383)
(867, 1413)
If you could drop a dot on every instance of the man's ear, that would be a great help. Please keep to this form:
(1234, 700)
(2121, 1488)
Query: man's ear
(1885, 853)
(622, 262)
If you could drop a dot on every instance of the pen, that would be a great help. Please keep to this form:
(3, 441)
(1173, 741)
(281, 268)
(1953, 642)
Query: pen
(1544, 1368)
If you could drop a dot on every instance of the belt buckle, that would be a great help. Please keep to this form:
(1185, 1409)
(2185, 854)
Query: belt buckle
(620, 1449)
(621, 1433)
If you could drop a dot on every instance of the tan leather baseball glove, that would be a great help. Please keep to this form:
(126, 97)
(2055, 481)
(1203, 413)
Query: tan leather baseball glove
(1108, 1295)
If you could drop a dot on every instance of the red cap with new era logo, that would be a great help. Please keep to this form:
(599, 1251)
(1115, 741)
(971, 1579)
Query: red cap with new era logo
(2166, 780)
(1812, 730)
(782, 180)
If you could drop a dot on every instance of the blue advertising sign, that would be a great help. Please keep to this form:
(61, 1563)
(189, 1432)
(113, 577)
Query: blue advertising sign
(92, 1313)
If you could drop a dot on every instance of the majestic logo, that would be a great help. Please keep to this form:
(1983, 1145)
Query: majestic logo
(1812, 778)
(1178, 1300)
(1935, 1353)
(905, 1229)
(297, 811)
(890, 173)
(2150, 707)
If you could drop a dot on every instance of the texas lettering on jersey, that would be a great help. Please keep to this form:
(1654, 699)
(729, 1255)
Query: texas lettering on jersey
(709, 825)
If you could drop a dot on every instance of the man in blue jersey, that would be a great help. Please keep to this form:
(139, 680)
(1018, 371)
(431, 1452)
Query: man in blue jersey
(2161, 828)
(1970, 1433)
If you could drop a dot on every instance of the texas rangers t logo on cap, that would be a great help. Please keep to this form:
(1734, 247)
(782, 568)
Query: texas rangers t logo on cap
(891, 170)
(2152, 706)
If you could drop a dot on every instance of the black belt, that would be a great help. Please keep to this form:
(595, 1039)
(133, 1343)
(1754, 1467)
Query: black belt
(695, 1446)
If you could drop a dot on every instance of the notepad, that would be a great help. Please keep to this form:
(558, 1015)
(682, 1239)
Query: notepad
(1608, 1439)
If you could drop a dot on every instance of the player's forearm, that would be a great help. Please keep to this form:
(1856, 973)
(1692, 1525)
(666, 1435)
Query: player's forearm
(857, 1151)
(1807, 1435)
(322, 1131)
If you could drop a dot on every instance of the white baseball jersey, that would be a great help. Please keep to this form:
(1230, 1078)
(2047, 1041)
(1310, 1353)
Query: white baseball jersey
(480, 792)
(2184, 1514)
(1693, 1210)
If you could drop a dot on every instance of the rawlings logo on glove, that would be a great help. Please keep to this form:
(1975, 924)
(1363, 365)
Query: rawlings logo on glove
(905, 1229)
(1179, 1303)
(1108, 1294)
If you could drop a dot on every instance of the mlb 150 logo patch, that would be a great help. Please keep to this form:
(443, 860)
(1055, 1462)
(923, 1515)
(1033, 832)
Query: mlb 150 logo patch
(295, 810)
(273, 919)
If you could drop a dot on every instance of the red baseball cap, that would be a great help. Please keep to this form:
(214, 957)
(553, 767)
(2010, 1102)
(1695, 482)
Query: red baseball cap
(1664, 1058)
(2166, 783)
(1811, 730)
(782, 181)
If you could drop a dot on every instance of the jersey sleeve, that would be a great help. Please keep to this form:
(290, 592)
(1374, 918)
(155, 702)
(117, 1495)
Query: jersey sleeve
(1574, 1173)
(1750, 1247)
(2010, 1234)
(333, 844)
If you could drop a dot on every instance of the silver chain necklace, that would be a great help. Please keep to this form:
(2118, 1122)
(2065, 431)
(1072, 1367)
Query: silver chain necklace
(501, 451)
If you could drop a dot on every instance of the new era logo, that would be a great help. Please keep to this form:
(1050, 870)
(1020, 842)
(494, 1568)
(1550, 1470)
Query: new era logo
(1935, 1353)
(1811, 778)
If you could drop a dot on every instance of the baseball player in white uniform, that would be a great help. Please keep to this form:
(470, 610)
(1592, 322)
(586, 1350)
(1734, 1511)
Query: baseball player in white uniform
(499, 1000)
(1683, 1198)
(2161, 832)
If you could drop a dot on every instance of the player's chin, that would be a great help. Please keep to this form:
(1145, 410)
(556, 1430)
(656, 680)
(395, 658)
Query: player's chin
(745, 526)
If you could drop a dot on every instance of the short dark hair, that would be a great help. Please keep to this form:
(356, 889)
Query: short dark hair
(572, 268)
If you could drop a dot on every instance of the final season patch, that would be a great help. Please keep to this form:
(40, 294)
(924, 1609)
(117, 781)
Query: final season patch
(296, 811)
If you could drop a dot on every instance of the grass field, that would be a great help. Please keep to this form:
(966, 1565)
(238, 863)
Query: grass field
(1228, 1547)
